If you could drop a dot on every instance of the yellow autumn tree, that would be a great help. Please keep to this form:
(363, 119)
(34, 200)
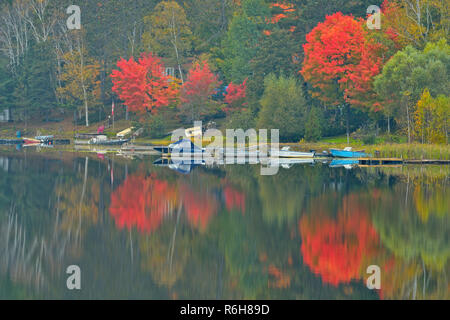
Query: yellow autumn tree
(167, 33)
(417, 22)
(431, 118)
(79, 78)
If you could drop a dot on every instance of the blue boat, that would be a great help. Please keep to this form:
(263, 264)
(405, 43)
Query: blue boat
(348, 153)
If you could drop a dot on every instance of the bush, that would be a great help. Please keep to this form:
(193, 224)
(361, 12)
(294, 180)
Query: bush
(283, 107)
(369, 139)
(242, 119)
(313, 125)
(156, 128)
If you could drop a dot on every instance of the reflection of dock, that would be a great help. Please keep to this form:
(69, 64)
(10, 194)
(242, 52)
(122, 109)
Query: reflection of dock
(380, 161)
(397, 161)
(427, 161)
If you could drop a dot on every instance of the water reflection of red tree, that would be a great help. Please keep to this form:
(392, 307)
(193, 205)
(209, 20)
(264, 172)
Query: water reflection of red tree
(336, 248)
(234, 199)
(199, 206)
(142, 201)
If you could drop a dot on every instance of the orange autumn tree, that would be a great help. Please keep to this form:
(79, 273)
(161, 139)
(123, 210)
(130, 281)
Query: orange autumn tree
(142, 202)
(335, 249)
(340, 62)
(281, 12)
(143, 84)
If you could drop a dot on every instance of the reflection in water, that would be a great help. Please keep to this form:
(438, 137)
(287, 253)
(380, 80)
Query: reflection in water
(143, 231)
(142, 202)
(335, 248)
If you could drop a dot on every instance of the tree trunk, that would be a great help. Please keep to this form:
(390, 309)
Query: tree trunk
(408, 122)
(347, 111)
(86, 106)
(83, 85)
(174, 42)
(389, 125)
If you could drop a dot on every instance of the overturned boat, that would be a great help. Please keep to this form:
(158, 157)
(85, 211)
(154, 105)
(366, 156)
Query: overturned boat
(348, 153)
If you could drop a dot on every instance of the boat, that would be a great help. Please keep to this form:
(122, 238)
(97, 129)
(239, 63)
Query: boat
(87, 135)
(44, 138)
(124, 133)
(348, 153)
(286, 153)
(104, 141)
(180, 148)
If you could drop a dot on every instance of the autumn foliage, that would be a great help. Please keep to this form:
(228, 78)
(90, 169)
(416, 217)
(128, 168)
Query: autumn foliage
(200, 83)
(143, 84)
(196, 92)
(235, 95)
(340, 62)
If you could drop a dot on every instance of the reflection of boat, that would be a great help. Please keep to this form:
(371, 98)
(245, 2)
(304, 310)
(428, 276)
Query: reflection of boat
(346, 163)
(287, 162)
(286, 153)
(30, 141)
(11, 141)
(348, 153)
(183, 166)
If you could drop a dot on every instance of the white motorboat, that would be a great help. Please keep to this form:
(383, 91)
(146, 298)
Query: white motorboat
(286, 153)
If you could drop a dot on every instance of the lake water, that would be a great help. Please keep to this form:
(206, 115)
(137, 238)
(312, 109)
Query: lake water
(137, 230)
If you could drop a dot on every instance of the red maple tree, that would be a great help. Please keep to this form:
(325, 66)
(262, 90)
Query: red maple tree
(341, 61)
(200, 85)
(143, 84)
(235, 95)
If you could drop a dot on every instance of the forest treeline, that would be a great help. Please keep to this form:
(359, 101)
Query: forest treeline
(311, 68)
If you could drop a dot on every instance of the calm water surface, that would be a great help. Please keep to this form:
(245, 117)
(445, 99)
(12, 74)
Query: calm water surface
(138, 230)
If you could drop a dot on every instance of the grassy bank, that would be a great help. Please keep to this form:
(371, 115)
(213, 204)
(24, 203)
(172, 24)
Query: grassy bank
(389, 150)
